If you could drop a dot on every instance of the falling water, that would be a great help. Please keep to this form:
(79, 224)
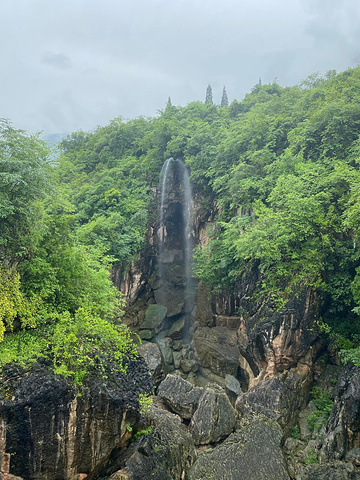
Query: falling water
(163, 176)
(168, 170)
(187, 215)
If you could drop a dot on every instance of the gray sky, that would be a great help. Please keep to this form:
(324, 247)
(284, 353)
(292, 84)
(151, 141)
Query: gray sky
(75, 64)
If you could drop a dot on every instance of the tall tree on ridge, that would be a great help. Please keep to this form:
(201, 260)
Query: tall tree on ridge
(208, 97)
(224, 98)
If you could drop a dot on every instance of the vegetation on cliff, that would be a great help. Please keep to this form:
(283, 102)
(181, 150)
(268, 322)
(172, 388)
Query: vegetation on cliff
(282, 167)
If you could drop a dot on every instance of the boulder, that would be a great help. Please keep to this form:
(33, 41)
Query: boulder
(166, 453)
(253, 453)
(232, 385)
(154, 316)
(154, 361)
(216, 348)
(180, 395)
(176, 330)
(165, 347)
(214, 419)
(279, 398)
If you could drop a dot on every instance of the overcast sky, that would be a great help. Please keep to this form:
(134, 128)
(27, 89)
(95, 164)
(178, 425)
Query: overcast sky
(75, 64)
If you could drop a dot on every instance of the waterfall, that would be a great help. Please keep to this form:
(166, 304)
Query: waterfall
(175, 230)
(187, 215)
(163, 177)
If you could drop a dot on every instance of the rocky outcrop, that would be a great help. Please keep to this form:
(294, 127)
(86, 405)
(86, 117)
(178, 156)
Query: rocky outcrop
(214, 419)
(262, 341)
(280, 398)
(49, 430)
(180, 395)
(153, 358)
(167, 453)
(333, 471)
(253, 453)
(341, 433)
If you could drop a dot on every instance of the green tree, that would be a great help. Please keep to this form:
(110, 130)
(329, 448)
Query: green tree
(208, 96)
(25, 180)
(224, 98)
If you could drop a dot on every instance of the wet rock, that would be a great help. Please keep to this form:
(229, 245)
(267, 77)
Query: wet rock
(153, 358)
(176, 330)
(154, 316)
(179, 395)
(354, 457)
(253, 453)
(177, 345)
(165, 347)
(146, 334)
(214, 419)
(189, 365)
(303, 416)
(177, 356)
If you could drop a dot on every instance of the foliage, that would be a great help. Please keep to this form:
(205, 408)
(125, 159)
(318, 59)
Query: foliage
(279, 170)
(86, 342)
(311, 457)
(141, 433)
(24, 347)
(12, 302)
(145, 402)
(295, 432)
(324, 404)
(24, 181)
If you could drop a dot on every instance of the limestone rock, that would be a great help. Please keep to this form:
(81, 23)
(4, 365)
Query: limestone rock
(232, 385)
(354, 457)
(253, 453)
(278, 398)
(180, 395)
(333, 471)
(165, 347)
(154, 315)
(51, 432)
(165, 454)
(146, 334)
(153, 358)
(216, 348)
(214, 419)
(341, 432)
(177, 328)
(188, 365)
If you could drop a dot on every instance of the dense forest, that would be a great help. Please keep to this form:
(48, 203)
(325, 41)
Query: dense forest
(280, 169)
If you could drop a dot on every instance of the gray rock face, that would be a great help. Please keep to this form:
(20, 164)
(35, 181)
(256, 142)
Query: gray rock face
(214, 418)
(253, 453)
(166, 454)
(180, 395)
(341, 432)
(216, 348)
(50, 432)
(334, 471)
(153, 358)
(277, 398)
